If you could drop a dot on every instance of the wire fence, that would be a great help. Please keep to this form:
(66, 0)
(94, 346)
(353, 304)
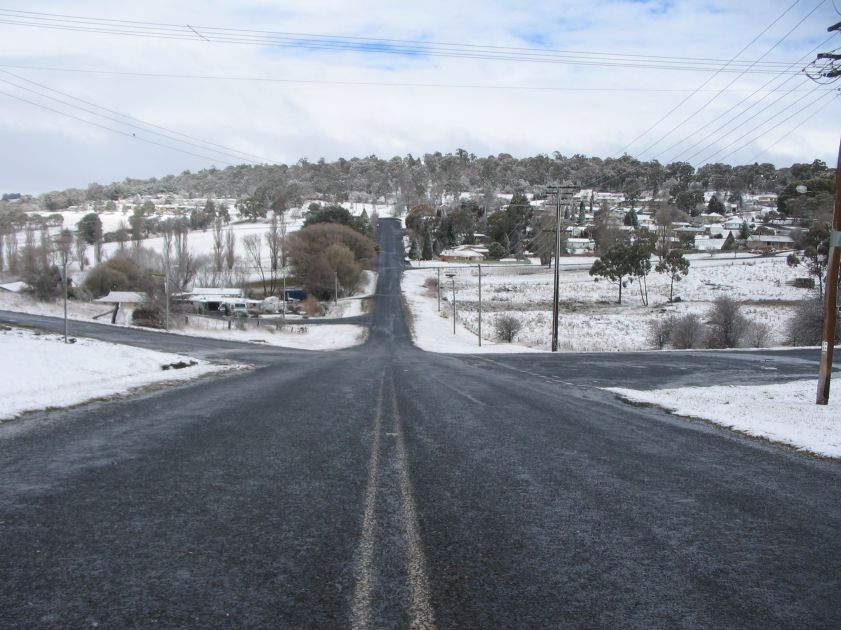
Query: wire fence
(273, 326)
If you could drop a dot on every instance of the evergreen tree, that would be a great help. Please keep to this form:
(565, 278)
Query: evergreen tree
(426, 251)
(715, 205)
(615, 265)
(675, 265)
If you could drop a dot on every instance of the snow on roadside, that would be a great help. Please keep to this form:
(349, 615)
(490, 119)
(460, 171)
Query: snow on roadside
(48, 373)
(323, 337)
(590, 319)
(784, 413)
(296, 334)
(434, 333)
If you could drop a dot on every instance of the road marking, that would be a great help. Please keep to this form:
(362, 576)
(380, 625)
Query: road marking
(364, 573)
(421, 615)
(459, 392)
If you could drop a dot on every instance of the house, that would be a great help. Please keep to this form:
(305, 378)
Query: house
(769, 242)
(734, 224)
(709, 244)
(461, 254)
(209, 298)
(124, 302)
(580, 245)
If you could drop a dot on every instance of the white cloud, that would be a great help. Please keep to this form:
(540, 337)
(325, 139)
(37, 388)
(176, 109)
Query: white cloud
(289, 120)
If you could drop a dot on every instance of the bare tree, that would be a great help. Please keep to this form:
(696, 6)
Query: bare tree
(46, 250)
(4, 228)
(64, 245)
(274, 243)
(218, 246)
(81, 248)
(230, 249)
(254, 250)
(184, 268)
(122, 235)
(12, 248)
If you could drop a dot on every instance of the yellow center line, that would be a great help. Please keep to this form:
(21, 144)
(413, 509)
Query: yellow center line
(421, 615)
(364, 574)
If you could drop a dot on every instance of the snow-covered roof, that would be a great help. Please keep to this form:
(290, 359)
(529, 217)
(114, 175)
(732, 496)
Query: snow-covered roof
(231, 291)
(461, 253)
(769, 238)
(122, 297)
(14, 287)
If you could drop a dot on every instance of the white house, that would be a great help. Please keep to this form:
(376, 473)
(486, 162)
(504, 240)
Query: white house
(461, 254)
(580, 245)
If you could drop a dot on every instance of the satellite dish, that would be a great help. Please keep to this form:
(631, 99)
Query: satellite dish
(801, 189)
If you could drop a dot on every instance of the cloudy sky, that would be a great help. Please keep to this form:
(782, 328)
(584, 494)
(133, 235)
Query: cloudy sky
(99, 91)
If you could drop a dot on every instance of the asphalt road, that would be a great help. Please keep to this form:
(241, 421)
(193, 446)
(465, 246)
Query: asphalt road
(384, 487)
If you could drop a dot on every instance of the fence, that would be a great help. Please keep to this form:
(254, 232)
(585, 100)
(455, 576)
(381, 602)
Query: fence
(240, 323)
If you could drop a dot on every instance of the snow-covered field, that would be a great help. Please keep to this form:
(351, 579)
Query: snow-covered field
(784, 413)
(49, 373)
(590, 319)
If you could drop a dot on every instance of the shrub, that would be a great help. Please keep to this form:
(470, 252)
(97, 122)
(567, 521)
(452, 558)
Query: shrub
(727, 324)
(507, 327)
(45, 282)
(805, 328)
(119, 273)
(148, 316)
(757, 335)
(688, 332)
(311, 306)
(323, 249)
(659, 331)
(496, 251)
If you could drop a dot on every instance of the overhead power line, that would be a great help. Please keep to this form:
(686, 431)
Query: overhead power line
(732, 81)
(718, 152)
(732, 60)
(309, 41)
(117, 131)
(794, 128)
(776, 126)
(732, 108)
(391, 84)
(134, 123)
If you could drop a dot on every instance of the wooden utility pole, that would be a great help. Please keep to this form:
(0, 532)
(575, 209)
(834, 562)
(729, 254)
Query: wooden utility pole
(559, 192)
(830, 311)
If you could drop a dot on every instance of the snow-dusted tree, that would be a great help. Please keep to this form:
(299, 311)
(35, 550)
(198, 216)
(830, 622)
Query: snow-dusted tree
(615, 265)
(727, 324)
(507, 327)
(254, 251)
(815, 244)
(218, 246)
(275, 246)
(81, 249)
(674, 265)
(184, 264)
(230, 249)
